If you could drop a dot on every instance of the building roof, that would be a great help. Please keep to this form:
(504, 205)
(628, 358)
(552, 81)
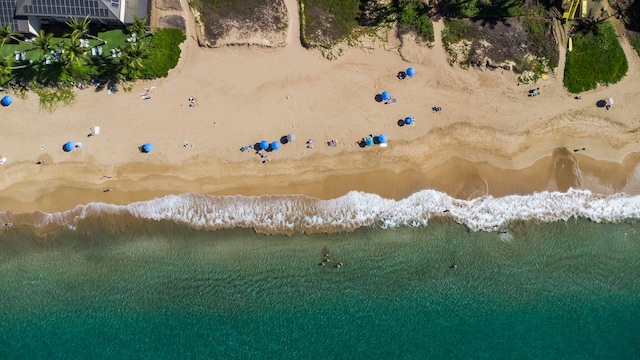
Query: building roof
(97, 9)
(7, 13)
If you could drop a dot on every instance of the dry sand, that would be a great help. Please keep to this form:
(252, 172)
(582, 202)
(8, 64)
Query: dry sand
(246, 94)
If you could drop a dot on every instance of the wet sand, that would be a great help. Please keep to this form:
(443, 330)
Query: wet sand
(457, 177)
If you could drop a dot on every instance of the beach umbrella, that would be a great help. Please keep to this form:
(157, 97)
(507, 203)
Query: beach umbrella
(6, 100)
(368, 141)
(148, 147)
(411, 71)
(264, 145)
(275, 145)
(382, 138)
(610, 101)
(291, 138)
(408, 120)
(69, 146)
(385, 95)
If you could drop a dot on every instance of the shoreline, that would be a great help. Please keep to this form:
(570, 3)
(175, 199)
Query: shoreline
(559, 172)
(489, 131)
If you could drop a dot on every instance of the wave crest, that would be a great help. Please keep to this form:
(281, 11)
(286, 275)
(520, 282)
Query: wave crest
(288, 214)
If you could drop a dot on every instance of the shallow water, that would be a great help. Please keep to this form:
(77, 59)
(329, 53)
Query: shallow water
(158, 290)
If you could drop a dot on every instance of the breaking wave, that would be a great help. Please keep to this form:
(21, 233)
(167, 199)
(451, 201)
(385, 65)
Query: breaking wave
(288, 214)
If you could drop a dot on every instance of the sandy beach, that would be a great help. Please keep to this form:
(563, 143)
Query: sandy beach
(490, 137)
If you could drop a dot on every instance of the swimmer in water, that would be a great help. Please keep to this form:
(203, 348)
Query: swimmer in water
(338, 265)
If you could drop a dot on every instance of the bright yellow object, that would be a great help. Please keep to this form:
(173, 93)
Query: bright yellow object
(573, 7)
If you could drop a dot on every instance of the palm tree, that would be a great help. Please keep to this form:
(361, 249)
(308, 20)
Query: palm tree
(139, 26)
(132, 59)
(45, 43)
(80, 29)
(6, 67)
(7, 33)
(75, 53)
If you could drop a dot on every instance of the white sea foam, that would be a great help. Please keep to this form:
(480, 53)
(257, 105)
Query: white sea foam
(297, 213)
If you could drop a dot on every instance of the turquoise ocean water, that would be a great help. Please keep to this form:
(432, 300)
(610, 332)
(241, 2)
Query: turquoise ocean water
(157, 290)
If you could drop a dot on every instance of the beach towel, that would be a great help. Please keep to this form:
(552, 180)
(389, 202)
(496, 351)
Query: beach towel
(96, 130)
(3, 160)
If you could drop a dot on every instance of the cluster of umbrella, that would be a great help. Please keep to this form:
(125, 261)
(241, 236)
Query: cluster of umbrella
(380, 139)
(385, 95)
(265, 145)
(275, 145)
(6, 100)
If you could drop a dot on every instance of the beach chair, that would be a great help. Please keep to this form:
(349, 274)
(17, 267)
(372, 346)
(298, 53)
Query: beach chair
(99, 50)
(383, 145)
(94, 51)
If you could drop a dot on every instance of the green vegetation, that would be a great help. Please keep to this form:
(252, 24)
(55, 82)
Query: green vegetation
(50, 65)
(597, 58)
(252, 15)
(51, 98)
(487, 8)
(163, 54)
(539, 29)
(635, 42)
(455, 31)
(327, 22)
(413, 15)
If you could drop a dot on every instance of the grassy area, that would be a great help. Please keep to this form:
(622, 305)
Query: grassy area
(413, 15)
(326, 22)
(540, 35)
(219, 16)
(56, 64)
(635, 42)
(597, 58)
(114, 38)
(485, 8)
(456, 30)
(164, 53)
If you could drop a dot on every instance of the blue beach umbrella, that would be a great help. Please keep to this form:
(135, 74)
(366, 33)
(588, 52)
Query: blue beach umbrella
(275, 145)
(146, 148)
(408, 120)
(385, 95)
(69, 146)
(382, 138)
(6, 100)
(368, 141)
(264, 145)
(411, 71)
